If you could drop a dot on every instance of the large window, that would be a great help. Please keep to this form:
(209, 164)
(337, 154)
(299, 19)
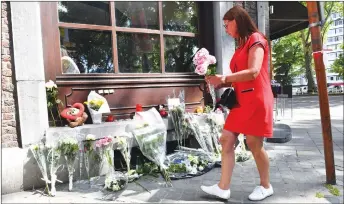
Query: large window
(128, 37)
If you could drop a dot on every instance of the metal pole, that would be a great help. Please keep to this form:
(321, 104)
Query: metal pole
(314, 26)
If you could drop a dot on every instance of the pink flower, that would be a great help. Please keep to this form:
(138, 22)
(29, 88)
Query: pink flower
(211, 59)
(98, 144)
(202, 52)
(201, 56)
(200, 60)
(202, 69)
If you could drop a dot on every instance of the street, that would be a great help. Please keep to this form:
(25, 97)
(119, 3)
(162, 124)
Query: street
(297, 170)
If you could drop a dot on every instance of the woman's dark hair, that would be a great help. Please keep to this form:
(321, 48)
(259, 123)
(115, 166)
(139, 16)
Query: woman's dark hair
(245, 24)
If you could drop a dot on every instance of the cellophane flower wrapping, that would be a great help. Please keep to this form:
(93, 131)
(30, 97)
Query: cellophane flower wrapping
(216, 123)
(124, 143)
(69, 148)
(38, 151)
(150, 134)
(105, 148)
(54, 161)
(97, 111)
(207, 129)
(201, 133)
(240, 151)
(189, 162)
(91, 156)
(116, 181)
(176, 109)
(206, 66)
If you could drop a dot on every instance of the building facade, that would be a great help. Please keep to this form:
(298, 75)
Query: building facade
(334, 40)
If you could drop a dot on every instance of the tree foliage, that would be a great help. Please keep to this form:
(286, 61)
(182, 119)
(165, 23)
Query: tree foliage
(338, 64)
(329, 8)
(287, 58)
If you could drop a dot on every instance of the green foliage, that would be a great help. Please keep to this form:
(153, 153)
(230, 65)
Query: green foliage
(319, 195)
(211, 70)
(333, 190)
(338, 64)
(177, 168)
(287, 58)
(329, 8)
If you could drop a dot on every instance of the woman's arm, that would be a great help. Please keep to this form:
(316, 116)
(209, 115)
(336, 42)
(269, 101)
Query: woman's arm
(255, 61)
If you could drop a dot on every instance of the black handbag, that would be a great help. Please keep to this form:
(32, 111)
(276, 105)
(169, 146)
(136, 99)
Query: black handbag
(228, 98)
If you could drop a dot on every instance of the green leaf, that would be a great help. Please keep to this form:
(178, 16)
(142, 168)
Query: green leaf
(319, 195)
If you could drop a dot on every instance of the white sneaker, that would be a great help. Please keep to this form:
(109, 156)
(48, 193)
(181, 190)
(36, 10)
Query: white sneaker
(215, 190)
(260, 193)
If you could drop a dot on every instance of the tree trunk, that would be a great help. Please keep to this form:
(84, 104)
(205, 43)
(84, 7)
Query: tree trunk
(309, 71)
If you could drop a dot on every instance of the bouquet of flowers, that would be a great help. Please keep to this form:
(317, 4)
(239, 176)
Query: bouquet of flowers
(215, 121)
(90, 154)
(152, 143)
(206, 66)
(116, 181)
(185, 163)
(241, 154)
(69, 149)
(52, 100)
(104, 146)
(177, 112)
(38, 152)
(97, 105)
(124, 144)
(53, 158)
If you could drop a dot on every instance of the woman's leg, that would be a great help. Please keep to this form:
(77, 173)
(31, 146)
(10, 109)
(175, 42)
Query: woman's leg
(227, 141)
(221, 189)
(261, 157)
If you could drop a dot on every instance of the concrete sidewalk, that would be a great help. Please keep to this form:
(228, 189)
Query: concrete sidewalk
(297, 174)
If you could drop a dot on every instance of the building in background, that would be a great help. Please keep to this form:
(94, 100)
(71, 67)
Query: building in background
(334, 40)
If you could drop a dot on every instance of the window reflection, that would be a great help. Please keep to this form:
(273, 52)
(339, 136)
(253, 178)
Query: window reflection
(179, 52)
(91, 51)
(137, 14)
(180, 16)
(85, 12)
(138, 53)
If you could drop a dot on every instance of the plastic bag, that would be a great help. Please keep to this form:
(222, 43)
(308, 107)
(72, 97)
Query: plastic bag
(96, 111)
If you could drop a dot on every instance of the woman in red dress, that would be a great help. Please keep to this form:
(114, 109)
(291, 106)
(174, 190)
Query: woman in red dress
(253, 115)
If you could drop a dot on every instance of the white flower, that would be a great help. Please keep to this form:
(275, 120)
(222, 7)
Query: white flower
(50, 84)
(200, 168)
(107, 182)
(90, 137)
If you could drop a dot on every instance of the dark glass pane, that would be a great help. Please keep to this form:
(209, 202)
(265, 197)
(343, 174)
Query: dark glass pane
(138, 53)
(179, 52)
(91, 51)
(180, 16)
(136, 14)
(85, 12)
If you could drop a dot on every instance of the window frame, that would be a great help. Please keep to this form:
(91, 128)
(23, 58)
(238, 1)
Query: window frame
(52, 47)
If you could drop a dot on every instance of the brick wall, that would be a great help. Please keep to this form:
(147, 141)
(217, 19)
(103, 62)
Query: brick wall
(9, 126)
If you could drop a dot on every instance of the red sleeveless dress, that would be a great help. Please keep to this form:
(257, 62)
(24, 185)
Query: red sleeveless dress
(253, 115)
